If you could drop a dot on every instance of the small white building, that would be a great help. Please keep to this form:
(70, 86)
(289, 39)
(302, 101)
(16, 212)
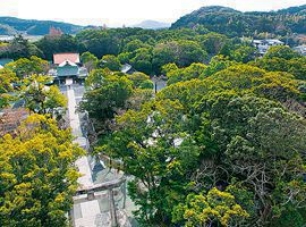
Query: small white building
(127, 69)
(301, 49)
(263, 45)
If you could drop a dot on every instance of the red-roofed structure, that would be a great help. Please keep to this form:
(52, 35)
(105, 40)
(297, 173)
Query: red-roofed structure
(55, 32)
(62, 57)
(10, 119)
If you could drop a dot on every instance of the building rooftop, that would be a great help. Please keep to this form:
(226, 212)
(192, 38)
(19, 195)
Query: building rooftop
(269, 41)
(67, 71)
(62, 57)
(67, 62)
(125, 68)
(82, 72)
(276, 41)
(4, 61)
(10, 120)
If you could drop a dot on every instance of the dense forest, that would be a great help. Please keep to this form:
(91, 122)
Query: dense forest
(235, 23)
(146, 50)
(223, 144)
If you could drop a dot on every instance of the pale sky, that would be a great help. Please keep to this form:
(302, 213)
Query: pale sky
(125, 12)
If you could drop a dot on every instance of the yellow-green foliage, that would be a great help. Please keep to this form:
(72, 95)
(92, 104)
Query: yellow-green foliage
(219, 206)
(37, 178)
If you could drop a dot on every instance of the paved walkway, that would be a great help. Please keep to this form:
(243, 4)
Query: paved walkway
(94, 213)
(82, 163)
(84, 214)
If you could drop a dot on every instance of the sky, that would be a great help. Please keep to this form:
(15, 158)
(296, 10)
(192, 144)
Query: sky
(116, 13)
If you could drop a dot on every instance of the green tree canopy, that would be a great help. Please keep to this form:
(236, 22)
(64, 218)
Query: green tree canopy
(37, 179)
(147, 141)
(141, 80)
(109, 61)
(7, 78)
(106, 99)
(175, 74)
(89, 60)
(281, 51)
(21, 48)
(28, 66)
(142, 60)
(213, 42)
(40, 98)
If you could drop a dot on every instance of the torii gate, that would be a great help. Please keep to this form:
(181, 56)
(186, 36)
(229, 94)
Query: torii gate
(109, 186)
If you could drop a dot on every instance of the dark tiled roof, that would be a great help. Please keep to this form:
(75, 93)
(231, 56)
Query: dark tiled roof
(67, 71)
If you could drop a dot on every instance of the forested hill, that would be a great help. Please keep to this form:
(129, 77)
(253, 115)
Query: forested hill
(12, 25)
(232, 22)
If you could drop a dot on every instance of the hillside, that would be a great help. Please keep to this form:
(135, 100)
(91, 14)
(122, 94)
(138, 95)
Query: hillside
(232, 22)
(12, 25)
(150, 24)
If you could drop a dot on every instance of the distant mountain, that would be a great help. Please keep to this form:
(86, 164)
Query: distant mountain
(236, 23)
(12, 25)
(151, 24)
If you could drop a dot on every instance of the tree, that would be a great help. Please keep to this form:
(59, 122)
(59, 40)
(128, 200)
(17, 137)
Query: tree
(281, 51)
(98, 42)
(243, 54)
(7, 78)
(37, 179)
(124, 57)
(89, 60)
(190, 52)
(213, 42)
(135, 45)
(40, 98)
(257, 137)
(96, 78)
(50, 45)
(195, 70)
(164, 53)
(153, 148)
(142, 60)
(111, 62)
(168, 68)
(294, 66)
(271, 85)
(183, 53)
(67, 43)
(213, 132)
(141, 80)
(218, 63)
(215, 208)
(22, 48)
(26, 67)
(106, 99)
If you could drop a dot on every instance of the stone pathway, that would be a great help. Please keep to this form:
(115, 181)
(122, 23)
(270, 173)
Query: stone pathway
(94, 213)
